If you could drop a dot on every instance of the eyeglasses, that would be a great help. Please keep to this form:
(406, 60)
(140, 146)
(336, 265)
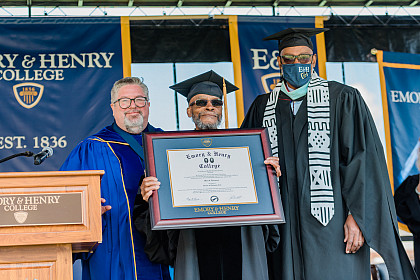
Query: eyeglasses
(126, 102)
(204, 102)
(302, 58)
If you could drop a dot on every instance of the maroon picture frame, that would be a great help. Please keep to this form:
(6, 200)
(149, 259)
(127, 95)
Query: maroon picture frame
(160, 223)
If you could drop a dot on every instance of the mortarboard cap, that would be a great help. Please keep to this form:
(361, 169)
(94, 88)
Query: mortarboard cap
(209, 83)
(292, 37)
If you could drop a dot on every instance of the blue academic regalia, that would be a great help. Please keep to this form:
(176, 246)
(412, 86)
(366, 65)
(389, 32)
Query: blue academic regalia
(121, 244)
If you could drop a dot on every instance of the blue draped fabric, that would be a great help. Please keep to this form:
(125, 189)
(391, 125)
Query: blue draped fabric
(401, 88)
(120, 255)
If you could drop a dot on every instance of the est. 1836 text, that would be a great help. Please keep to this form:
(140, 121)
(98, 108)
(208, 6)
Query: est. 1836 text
(21, 142)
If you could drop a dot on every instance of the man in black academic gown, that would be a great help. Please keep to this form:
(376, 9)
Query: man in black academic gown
(407, 203)
(233, 253)
(335, 188)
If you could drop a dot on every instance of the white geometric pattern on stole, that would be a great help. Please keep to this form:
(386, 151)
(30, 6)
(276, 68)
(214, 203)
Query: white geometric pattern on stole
(322, 196)
(322, 199)
(269, 120)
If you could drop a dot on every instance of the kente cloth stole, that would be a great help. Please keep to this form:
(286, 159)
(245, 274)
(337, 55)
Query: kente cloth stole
(319, 143)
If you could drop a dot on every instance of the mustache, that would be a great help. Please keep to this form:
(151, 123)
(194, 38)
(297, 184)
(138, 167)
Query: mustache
(133, 111)
(208, 114)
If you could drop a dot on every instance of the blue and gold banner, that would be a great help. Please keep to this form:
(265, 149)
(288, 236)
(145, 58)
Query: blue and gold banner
(55, 80)
(399, 73)
(255, 61)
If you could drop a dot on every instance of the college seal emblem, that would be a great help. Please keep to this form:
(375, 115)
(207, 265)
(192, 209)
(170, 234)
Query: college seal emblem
(206, 142)
(270, 81)
(28, 94)
(21, 216)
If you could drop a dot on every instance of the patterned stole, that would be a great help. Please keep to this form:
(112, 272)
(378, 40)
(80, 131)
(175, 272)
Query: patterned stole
(318, 104)
(269, 120)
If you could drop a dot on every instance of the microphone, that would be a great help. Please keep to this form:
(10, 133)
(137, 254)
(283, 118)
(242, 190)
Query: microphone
(41, 156)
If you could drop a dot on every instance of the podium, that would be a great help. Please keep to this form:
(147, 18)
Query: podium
(44, 218)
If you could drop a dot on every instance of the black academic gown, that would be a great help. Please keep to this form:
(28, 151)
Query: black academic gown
(229, 253)
(407, 203)
(308, 250)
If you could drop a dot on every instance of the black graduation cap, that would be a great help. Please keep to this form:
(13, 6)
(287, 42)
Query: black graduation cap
(292, 37)
(209, 83)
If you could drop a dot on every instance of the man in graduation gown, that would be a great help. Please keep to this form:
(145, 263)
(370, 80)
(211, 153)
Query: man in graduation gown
(115, 149)
(334, 186)
(234, 253)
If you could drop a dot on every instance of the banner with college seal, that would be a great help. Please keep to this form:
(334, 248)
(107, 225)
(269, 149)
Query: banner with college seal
(255, 64)
(400, 87)
(55, 80)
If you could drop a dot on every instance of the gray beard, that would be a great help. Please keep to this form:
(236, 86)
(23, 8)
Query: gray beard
(134, 126)
(202, 126)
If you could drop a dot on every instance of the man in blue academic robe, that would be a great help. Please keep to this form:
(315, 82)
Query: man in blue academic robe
(116, 149)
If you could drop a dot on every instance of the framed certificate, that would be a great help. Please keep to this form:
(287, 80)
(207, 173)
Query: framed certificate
(212, 178)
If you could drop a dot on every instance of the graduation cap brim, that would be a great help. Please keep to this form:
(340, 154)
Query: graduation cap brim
(295, 37)
(184, 87)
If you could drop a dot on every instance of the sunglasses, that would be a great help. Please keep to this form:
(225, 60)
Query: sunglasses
(204, 102)
(302, 58)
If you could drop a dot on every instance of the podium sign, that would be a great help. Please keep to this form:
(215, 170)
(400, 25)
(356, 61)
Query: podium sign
(44, 218)
(41, 209)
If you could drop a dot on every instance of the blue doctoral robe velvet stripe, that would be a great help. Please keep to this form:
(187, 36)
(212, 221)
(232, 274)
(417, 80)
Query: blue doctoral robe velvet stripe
(121, 255)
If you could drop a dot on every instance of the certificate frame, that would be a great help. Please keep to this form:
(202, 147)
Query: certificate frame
(164, 214)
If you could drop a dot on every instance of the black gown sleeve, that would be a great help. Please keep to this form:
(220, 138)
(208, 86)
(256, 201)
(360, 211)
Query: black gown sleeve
(407, 203)
(366, 189)
(160, 246)
(254, 116)
(253, 119)
(271, 237)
